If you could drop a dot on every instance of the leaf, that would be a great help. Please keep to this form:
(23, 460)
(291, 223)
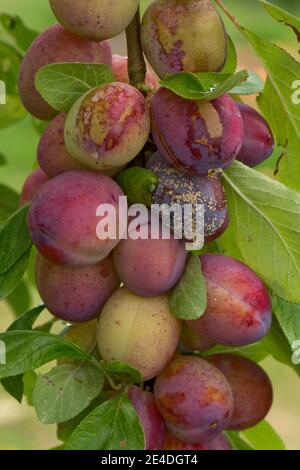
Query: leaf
(253, 85)
(123, 372)
(28, 350)
(114, 425)
(11, 278)
(231, 61)
(189, 298)
(202, 86)
(3, 160)
(283, 16)
(265, 218)
(20, 299)
(237, 443)
(62, 84)
(9, 202)
(65, 391)
(256, 352)
(14, 386)
(276, 104)
(29, 381)
(21, 36)
(263, 437)
(26, 321)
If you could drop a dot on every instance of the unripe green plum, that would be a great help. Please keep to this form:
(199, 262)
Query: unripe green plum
(108, 127)
(95, 19)
(184, 35)
(139, 331)
(33, 186)
(52, 46)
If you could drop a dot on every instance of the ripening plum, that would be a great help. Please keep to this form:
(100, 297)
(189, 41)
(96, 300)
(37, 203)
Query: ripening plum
(108, 126)
(151, 421)
(32, 186)
(95, 19)
(183, 35)
(53, 156)
(194, 398)
(63, 221)
(251, 388)
(172, 443)
(120, 71)
(75, 295)
(137, 330)
(196, 136)
(258, 141)
(150, 267)
(239, 307)
(179, 188)
(193, 341)
(52, 46)
(83, 335)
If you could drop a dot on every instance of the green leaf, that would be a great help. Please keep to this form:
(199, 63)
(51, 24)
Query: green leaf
(138, 184)
(123, 372)
(26, 321)
(189, 298)
(265, 218)
(28, 350)
(114, 425)
(3, 160)
(202, 86)
(231, 61)
(256, 352)
(263, 437)
(14, 386)
(65, 391)
(13, 276)
(283, 16)
(276, 104)
(9, 202)
(237, 443)
(29, 381)
(20, 35)
(62, 84)
(253, 85)
(20, 299)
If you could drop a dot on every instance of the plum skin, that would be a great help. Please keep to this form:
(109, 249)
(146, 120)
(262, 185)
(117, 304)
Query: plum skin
(75, 295)
(32, 186)
(151, 421)
(95, 19)
(120, 71)
(258, 141)
(53, 157)
(239, 310)
(194, 399)
(150, 267)
(108, 126)
(52, 46)
(137, 330)
(173, 41)
(251, 388)
(62, 221)
(193, 341)
(172, 443)
(196, 136)
(175, 187)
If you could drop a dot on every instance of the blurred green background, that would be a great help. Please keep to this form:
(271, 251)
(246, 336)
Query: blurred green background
(19, 428)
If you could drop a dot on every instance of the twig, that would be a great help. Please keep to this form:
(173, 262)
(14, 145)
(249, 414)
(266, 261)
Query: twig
(136, 63)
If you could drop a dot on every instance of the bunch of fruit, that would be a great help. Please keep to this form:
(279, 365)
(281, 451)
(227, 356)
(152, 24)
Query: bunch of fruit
(185, 401)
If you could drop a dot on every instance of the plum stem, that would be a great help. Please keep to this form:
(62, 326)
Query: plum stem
(228, 13)
(136, 63)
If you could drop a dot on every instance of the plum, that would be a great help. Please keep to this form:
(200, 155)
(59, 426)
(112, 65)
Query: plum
(150, 267)
(53, 156)
(52, 46)
(108, 127)
(75, 295)
(194, 398)
(151, 421)
(183, 35)
(95, 19)
(137, 330)
(251, 388)
(196, 136)
(239, 308)
(63, 220)
(81, 334)
(193, 341)
(172, 443)
(179, 188)
(32, 186)
(258, 141)
(120, 71)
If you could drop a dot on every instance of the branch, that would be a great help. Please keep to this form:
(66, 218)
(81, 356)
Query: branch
(228, 13)
(136, 63)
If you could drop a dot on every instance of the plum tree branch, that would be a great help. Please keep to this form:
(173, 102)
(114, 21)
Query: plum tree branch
(136, 63)
(228, 13)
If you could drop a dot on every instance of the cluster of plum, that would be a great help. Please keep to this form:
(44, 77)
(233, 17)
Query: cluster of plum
(187, 401)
